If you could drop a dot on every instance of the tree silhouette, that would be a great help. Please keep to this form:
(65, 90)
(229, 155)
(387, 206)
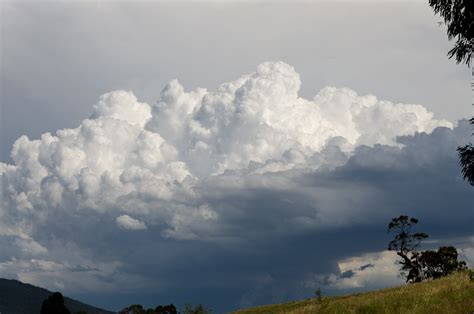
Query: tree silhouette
(418, 266)
(466, 160)
(138, 309)
(436, 264)
(405, 244)
(54, 304)
(166, 309)
(458, 16)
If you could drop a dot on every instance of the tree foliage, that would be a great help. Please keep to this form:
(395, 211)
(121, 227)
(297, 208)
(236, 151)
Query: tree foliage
(466, 160)
(133, 309)
(405, 244)
(420, 265)
(436, 264)
(458, 16)
(164, 309)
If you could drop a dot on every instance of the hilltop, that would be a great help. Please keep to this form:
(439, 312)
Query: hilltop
(452, 294)
(22, 298)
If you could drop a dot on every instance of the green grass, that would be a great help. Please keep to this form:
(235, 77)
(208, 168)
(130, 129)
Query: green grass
(451, 295)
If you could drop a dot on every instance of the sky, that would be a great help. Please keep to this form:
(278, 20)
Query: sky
(225, 153)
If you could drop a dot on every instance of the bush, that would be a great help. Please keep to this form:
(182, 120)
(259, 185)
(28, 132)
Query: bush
(319, 295)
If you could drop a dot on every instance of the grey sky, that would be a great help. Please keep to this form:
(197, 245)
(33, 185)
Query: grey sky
(58, 57)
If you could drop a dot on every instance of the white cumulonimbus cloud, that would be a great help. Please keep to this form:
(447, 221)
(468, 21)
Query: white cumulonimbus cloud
(133, 158)
(250, 167)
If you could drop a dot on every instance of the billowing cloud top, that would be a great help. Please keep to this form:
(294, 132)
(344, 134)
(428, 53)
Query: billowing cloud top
(129, 151)
(131, 157)
(198, 165)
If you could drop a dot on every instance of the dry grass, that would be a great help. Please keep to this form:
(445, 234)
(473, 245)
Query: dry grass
(450, 295)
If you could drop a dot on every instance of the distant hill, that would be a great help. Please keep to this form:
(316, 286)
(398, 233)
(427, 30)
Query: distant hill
(21, 298)
(453, 294)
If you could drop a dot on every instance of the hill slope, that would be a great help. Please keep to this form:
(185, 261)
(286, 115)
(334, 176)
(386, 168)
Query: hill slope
(20, 298)
(453, 294)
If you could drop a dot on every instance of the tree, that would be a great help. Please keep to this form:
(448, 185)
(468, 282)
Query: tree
(466, 160)
(54, 304)
(458, 16)
(166, 309)
(405, 244)
(421, 265)
(139, 309)
(133, 309)
(436, 264)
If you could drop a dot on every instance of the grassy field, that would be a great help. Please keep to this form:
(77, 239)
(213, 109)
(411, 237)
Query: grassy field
(450, 295)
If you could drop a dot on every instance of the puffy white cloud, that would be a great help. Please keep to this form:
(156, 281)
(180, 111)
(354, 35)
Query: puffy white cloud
(260, 117)
(127, 222)
(134, 157)
(124, 106)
